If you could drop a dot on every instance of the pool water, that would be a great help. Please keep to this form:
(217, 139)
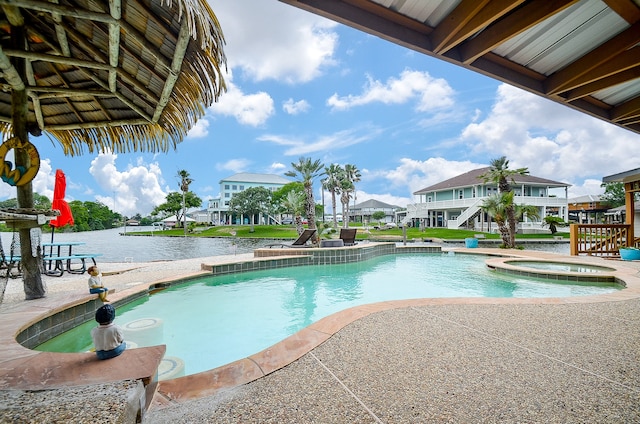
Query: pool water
(560, 266)
(217, 320)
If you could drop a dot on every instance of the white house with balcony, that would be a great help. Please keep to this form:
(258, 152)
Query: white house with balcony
(218, 207)
(456, 203)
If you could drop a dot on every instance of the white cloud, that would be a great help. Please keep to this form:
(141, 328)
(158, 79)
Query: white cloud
(387, 198)
(294, 108)
(551, 140)
(200, 129)
(137, 189)
(277, 167)
(335, 141)
(234, 165)
(429, 93)
(272, 40)
(416, 174)
(247, 109)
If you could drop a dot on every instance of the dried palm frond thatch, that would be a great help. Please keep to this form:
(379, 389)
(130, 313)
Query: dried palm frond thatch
(118, 75)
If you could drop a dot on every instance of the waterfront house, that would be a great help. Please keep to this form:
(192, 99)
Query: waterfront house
(362, 212)
(588, 209)
(218, 208)
(456, 203)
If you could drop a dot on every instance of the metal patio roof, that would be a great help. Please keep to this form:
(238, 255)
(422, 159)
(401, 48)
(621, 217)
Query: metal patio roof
(581, 53)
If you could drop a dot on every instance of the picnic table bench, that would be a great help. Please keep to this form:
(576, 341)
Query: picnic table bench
(73, 264)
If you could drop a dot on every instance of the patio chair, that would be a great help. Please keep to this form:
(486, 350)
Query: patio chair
(301, 241)
(348, 236)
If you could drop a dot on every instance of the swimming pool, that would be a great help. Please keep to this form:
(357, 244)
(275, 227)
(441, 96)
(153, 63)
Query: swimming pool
(217, 320)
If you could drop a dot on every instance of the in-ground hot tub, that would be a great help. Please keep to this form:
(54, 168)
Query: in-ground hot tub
(554, 270)
(558, 266)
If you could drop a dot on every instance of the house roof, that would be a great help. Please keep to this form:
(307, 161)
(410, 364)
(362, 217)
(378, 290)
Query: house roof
(173, 218)
(622, 209)
(589, 198)
(246, 177)
(374, 204)
(627, 176)
(472, 178)
(584, 54)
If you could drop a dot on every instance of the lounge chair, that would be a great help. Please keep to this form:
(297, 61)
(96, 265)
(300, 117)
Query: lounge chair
(348, 236)
(301, 241)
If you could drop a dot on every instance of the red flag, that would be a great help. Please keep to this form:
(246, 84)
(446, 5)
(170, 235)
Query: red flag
(65, 217)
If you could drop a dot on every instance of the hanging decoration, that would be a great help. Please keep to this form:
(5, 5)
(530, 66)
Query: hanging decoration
(19, 175)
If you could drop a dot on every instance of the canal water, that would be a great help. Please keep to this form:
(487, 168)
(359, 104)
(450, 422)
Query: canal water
(116, 247)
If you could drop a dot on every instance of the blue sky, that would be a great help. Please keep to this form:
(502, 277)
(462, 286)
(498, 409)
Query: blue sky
(300, 85)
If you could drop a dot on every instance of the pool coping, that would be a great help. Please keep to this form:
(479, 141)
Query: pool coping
(15, 358)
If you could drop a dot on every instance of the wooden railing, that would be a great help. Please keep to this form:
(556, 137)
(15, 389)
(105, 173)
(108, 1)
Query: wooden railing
(600, 239)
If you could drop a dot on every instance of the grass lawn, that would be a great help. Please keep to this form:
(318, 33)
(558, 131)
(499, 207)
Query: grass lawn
(289, 232)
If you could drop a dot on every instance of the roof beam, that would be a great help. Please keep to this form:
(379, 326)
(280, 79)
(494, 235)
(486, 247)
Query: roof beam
(511, 25)
(114, 41)
(483, 19)
(627, 110)
(43, 6)
(176, 65)
(626, 9)
(455, 22)
(561, 80)
(601, 84)
(629, 59)
(373, 19)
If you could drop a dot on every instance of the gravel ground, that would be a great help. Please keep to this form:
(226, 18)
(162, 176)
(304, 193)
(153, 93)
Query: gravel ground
(565, 363)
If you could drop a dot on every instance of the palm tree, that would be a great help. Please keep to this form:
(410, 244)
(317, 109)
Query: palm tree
(352, 175)
(346, 187)
(332, 184)
(295, 205)
(185, 181)
(500, 174)
(307, 170)
(495, 206)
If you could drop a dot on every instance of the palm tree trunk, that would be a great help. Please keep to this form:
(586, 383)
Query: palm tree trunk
(511, 218)
(333, 202)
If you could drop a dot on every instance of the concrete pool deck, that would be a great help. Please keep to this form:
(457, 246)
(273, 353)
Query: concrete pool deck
(428, 360)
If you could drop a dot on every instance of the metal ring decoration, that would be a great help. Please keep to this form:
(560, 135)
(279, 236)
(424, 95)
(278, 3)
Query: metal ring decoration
(20, 175)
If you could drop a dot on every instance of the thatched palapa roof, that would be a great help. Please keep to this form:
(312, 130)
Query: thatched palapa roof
(117, 75)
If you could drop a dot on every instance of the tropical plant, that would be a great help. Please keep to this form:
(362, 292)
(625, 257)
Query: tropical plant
(500, 174)
(352, 175)
(332, 184)
(307, 170)
(294, 204)
(88, 216)
(554, 222)
(495, 206)
(378, 215)
(279, 196)
(614, 194)
(176, 203)
(251, 202)
(185, 181)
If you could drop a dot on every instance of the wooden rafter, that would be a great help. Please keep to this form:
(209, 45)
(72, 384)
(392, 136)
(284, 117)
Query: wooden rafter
(519, 21)
(563, 79)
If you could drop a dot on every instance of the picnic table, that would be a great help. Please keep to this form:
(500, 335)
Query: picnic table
(61, 257)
